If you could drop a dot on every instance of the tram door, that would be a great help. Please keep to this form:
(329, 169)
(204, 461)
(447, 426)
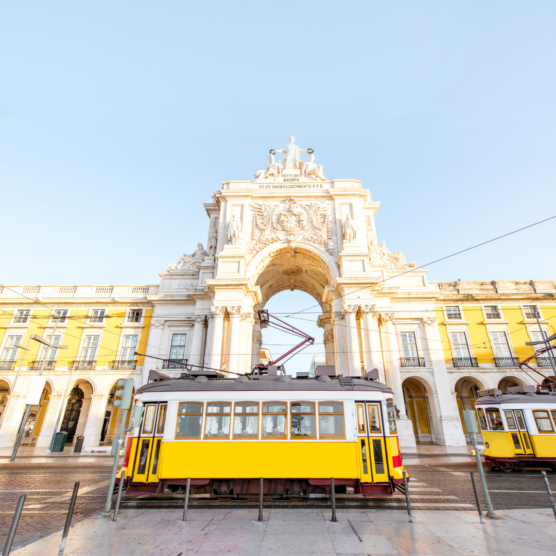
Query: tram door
(371, 443)
(518, 432)
(150, 443)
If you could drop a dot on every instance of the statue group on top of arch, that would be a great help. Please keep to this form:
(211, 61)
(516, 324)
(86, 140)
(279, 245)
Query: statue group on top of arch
(190, 263)
(309, 171)
(291, 221)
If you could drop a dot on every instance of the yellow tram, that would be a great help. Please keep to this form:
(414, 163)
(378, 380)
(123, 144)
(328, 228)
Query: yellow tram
(296, 433)
(518, 427)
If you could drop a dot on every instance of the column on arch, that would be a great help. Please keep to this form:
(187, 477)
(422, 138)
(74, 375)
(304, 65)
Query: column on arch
(325, 321)
(449, 424)
(340, 358)
(352, 344)
(234, 343)
(196, 353)
(246, 341)
(209, 338)
(215, 347)
(257, 340)
(371, 341)
(394, 379)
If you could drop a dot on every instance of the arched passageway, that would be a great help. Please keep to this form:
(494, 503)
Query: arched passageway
(112, 419)
(508, 382)
(77, 409)
(4, 396)
(417, 408)
(466, 393)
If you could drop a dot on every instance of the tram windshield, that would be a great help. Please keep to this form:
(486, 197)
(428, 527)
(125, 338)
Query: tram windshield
(391, 416)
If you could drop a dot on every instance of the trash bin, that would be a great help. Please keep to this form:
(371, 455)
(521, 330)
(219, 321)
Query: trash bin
(59, 441)
(78, 444)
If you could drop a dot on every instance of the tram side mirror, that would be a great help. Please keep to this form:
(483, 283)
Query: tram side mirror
(470, 421)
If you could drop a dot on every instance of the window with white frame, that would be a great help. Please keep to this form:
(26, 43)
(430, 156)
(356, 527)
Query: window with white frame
(536, 336)
(128, 347)
(60, 316)
(531, 312)
(177, 349)
(49, 353)
(97, 316)
(135, 315)
(500, 344)
(22, 316)
(492, 312)
(10, 349)
(90, 347)
(409, 344)
(453, 313)
(460, 345)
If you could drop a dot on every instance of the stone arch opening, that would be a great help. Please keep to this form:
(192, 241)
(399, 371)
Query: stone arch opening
(508, 382)
(112, 417)
(5, 391)
(76, 412)
(417, 398)
(466, 389)
(36, 417)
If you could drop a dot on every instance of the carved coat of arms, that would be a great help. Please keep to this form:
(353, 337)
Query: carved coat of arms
(291, 221)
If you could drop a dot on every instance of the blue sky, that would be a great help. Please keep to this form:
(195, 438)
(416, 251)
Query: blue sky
(119, 119)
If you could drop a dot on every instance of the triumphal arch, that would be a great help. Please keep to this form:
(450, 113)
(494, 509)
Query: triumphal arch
(291, 227)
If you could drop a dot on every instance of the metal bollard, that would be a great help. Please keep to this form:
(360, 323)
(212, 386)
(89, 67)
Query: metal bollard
(333, 498)
(186, 499)
(406, 488)
(120, 490)
(261, 496)
(546, 483)
(477, 497)
(13, 527)
(70, 513)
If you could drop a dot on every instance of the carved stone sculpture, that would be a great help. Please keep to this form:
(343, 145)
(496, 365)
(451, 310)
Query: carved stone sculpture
(234, 231)
(212, 243)
(292, 152)
(189, 263)
(274, 169)
(371, 240)
(289, 221)
(349, 231)
(395, 261)
(311, 169)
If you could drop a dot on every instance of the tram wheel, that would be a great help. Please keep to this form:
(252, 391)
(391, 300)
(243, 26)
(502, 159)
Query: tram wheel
(506, 469)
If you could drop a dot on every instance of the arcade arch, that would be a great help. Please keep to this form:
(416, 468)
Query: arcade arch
(417, 398)
(466, 389)
(508, 382)
(5, 391)
(76, 411)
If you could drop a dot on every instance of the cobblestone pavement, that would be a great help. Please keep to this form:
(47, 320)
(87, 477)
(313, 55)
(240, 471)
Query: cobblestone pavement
(48, 489)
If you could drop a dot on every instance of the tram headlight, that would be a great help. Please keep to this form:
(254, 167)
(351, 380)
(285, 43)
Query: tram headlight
(486, 445)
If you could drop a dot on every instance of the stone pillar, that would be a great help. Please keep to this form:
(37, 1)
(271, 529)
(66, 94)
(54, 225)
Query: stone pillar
(95, 419)
(246, 342)
(340, 358)
(208, 340)
(83, 416)
(47, 429)
(394, 379)
(371, 342)
(450, 430)
(153, 347)
(14, 416)
(215, 348)
(329, 344)
(257, 340)
(353, 355)
(196, 351)
(234, 344)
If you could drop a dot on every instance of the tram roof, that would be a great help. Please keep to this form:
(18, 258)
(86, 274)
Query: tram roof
(530, 398)
(280, 383)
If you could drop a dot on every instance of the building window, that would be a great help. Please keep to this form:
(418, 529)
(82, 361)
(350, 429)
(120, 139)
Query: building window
(274, 420)
(90, 348)
(500, 344)
(532, 312)
(460, 346)
(135, 315)
(218, 421)
(453, 313)
(190, 416)
(331, 420)
(22, 316)
(409, 344)
(177, 350)
(60, 316)
(303, 420)
(50, 352)
(128, 348)
(97, 316)
(492, 312)
(246, 420)
(10, 349)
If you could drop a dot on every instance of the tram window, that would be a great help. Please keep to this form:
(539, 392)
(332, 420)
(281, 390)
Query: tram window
(218, 420)
(482, 419)
(391, 416)
(156, 456)
(361, 428)
(143, 455)
(554, 415)
(190, 416)
(161, 419)
(274, 420)
(543, 421)
(303, 420)
(520, 421)
(378, 455)
(364, 457)
(148, 420)
(246, 420)
(494, 420)
(374, 418)
(510, 420)
(331, 420)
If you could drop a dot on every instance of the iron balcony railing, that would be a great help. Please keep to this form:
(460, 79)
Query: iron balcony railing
(412, 361)
(174, 363)
(124, 364)
(84, 365)
(465, 362)
(506, 361)
(46, 365)
(6, 365)
(544, 362)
